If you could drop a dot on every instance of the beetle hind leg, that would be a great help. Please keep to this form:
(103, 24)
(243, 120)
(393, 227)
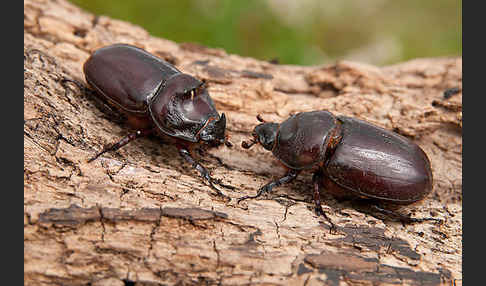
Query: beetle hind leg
(124, 141)
(401, 217)
(316, 180)
(81, 86)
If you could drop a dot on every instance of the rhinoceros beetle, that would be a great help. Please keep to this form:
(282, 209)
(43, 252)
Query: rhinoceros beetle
(351, 158)
(156, 99)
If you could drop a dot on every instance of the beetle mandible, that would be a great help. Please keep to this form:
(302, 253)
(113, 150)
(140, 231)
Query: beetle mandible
(350, 158)
(156, 99)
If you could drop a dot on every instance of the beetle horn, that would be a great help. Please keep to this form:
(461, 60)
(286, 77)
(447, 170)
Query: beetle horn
(222, 120)
(220, 127)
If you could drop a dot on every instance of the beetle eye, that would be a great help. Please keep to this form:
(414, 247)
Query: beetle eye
(190, 93)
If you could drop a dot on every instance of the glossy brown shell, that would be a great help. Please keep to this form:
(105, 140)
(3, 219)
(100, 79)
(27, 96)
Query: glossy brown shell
(127, 76)
(376, 163)
(150, 90)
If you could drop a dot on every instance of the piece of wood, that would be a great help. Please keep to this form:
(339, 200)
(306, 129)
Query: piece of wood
(142, 216)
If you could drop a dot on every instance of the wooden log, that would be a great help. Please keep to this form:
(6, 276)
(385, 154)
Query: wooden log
(142, 216)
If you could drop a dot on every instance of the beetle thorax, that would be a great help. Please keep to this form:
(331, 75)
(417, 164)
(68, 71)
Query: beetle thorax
(303, 140)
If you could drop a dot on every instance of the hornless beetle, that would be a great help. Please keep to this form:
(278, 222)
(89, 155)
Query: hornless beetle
(350, 158)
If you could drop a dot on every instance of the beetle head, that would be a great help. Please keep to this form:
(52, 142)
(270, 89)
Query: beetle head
(264, 134)
(213, 132)
(184, 109)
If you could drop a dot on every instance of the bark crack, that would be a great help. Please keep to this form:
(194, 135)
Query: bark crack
(102, 221)
(152, 233)
(218, 259)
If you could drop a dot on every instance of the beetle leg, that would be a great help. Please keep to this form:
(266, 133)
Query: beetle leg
(81, 86)
(289, 176)
(401, 217)
(317, 180)
(202, 170)
(203, 153)
(124, 141)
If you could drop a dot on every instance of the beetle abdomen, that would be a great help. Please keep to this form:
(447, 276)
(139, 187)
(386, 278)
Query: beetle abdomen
(126, 75)
(377, 163)
(302, 139)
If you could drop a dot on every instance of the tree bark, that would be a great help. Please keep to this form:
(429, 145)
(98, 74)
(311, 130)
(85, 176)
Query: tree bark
(143, 216)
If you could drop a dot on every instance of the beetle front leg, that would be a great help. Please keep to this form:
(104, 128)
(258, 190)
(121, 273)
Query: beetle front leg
(124, 141)
(317, 180)
(289, 177)
(202, 170)
(401, 217)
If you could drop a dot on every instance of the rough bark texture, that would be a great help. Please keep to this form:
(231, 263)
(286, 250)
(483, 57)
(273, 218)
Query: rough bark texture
(142, 216)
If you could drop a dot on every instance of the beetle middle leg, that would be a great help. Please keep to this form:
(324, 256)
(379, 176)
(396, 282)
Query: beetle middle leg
(124, 141)
(289, 177)
(202, 170)
(317, 180)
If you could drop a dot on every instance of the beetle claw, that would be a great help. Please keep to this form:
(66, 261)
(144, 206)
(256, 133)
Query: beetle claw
(219, 193)
(416, 220)
(333, 228)
(211, 183)
(246, 197)
(259, 193)
(320, 212)
(220, 183)
(94, 157)
(265, 189)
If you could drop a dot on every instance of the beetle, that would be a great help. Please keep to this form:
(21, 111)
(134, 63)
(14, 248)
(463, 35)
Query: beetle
(157, 99)
(350, 157)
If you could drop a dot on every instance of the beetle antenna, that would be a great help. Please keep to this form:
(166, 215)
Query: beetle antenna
(259, 118)
(248, 144)
(203, 83)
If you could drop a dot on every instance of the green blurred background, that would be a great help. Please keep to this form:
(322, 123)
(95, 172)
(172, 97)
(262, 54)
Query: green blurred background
(303, 32)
